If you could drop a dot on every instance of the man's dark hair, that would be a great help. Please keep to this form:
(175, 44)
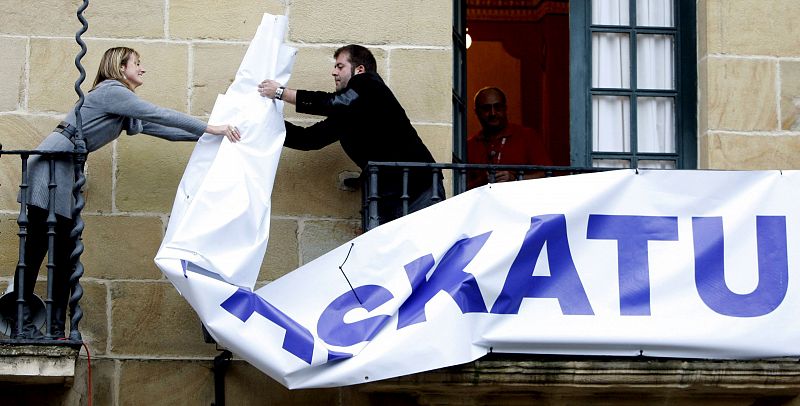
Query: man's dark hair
(358, 55)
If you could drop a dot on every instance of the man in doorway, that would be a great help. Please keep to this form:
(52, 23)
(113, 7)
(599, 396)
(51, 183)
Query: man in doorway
(500, 142)
(371, 125)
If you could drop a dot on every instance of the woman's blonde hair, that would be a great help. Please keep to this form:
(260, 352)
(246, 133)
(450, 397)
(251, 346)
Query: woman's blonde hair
(112, 64)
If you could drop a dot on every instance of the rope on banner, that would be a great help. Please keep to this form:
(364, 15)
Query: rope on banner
(345, 275)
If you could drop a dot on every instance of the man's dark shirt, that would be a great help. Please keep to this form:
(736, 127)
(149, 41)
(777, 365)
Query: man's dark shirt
(370, 124)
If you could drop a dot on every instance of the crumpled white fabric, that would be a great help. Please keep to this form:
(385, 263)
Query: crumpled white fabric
(221, 215)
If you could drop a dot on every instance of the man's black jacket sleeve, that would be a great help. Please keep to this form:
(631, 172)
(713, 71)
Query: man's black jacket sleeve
(323, 103)
(310, 138)
(326, 131)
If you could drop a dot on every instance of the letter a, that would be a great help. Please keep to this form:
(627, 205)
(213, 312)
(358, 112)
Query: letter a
(563, 283)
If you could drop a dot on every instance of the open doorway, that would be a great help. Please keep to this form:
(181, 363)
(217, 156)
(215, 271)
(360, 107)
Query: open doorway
(522, 47)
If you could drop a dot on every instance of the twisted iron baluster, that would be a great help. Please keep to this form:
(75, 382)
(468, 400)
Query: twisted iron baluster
(80, 159)
(22, 221)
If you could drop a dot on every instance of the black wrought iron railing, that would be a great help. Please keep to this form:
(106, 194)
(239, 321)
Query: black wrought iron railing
(40, 312)
(400, 177)
(19, 308)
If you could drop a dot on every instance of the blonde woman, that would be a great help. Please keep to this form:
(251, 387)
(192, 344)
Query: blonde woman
(110, 107)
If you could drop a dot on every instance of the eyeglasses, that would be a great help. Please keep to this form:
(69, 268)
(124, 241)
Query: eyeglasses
(487, 108)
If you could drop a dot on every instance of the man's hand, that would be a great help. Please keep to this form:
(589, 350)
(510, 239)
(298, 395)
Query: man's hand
(504, 176)
(268, 88)
(508, 176)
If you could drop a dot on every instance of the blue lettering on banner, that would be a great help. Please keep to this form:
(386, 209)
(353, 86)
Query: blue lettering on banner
(563, 283)
(332, 328)
(298, 339)
(632, 234)
(773, 268)
(448, 276)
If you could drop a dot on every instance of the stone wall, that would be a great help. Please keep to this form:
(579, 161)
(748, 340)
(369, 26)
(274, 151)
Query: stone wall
(145, 341)
(749, 84)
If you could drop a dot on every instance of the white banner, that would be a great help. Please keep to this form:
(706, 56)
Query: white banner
(690, 264)
(220, 218)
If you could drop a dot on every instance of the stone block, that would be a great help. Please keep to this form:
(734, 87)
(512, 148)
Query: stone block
(19, 132)
(311, 178)
(439, 140)
(743, 152)
(321, 236)
(246, 385)
(103, 382)
(124, 19)
(710, 27)
(167, 66)
(148, 173)
(703, 148)
(742, 94)
(52, 74)
(311, 71)
(790, 95)
(236, 20)
(9, 246)
(706, 27)
(214, 68)
(166, 382)
(94, 324)
(121, 247)
(23, 131)
(282, 252)
(164, 83)
(99, 180)
(415, 22)
(702, 96)
(151, 319)
(423, 83)
(754, 28)
(39, 18)
(12, 70)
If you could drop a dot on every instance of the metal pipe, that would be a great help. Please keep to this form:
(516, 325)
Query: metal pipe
(221, 364)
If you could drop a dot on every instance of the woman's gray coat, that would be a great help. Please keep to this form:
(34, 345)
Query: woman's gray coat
(107, 110)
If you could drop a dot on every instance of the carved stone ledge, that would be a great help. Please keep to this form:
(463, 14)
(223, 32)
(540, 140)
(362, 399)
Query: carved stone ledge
(38, 364)
(517, 379)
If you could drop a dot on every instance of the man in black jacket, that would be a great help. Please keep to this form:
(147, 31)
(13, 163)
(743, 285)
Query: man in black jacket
(371, 125)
